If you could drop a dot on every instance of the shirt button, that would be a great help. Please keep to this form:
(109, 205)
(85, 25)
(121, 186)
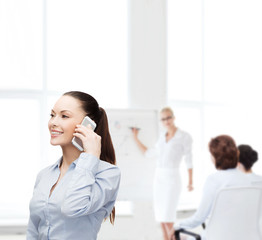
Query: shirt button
(47, 222)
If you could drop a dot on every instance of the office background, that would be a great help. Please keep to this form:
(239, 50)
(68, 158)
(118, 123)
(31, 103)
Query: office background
(201, 57)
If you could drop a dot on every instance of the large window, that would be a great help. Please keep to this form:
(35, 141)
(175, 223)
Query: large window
(87, 48)
(21, 58)
(47, 48)
(214, 73)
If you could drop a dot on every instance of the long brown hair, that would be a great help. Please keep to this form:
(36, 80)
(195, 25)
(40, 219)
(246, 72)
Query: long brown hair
(98, 114)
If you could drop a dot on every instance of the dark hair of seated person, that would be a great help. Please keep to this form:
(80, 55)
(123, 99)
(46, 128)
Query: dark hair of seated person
(248, 156)
(225, 152)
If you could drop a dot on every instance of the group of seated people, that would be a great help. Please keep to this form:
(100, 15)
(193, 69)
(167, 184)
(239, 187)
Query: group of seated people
(234, 168)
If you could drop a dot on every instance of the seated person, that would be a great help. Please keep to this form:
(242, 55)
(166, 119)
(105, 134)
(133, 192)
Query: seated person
(247, 158)
(224, 155)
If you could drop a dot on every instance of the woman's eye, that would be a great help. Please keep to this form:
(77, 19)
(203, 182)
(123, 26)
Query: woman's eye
(64, 116)
(52, 115)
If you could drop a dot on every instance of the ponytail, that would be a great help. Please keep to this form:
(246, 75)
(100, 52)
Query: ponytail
(107, 149)
(102, 129)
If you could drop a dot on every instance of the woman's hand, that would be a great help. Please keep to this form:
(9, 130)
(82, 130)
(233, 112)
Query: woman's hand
(135, 132)
(91, 141)
(190, 187)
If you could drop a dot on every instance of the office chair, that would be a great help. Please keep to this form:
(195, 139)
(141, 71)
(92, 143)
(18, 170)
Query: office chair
(235, 215)
(257, 183)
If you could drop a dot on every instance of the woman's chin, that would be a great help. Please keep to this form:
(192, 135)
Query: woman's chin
(54, 143)
(61, 144)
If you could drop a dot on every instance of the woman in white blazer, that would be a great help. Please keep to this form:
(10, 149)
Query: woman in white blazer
(172, 146)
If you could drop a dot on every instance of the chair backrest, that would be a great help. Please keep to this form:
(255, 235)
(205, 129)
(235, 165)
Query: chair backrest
(236, 214)
(257, 183)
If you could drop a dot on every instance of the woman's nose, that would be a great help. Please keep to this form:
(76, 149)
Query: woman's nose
(54, 121)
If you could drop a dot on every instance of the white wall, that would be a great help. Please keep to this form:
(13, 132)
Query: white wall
(147, 54)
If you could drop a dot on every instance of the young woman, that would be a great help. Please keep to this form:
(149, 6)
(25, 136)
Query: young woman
(172, 146)
(73, 196)
(248, 156)
(224, 155)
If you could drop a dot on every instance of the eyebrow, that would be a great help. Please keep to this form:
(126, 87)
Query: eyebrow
(52, 110)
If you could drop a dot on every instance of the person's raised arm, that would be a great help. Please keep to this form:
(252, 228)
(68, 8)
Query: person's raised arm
(140, 145)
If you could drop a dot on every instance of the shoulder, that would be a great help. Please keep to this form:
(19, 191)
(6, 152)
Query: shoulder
(184, 135)
(108, 168)
(254, 177)
(106, 165)
(227, 177)
(215, 179)
(212, 177)
(108, 173)
(49, 167)
(45, 171)
(97, 166)
(222, 174)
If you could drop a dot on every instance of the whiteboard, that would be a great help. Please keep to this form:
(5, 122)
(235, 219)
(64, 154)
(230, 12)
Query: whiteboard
(136, 171)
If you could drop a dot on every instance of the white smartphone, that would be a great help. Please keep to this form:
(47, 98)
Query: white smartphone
(78, 142)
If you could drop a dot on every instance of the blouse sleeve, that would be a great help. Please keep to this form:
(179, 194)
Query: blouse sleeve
(188, 151)
(32, 231)
(91, 188)
(204, 209)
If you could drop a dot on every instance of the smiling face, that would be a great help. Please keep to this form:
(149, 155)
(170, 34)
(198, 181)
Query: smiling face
(65, 115)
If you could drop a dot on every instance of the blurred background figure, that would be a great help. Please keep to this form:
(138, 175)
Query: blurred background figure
(224, 155)
(248, 156)
(172, 146)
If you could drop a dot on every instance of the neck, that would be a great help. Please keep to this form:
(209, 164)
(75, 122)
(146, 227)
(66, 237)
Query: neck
(171, 130)
(70, 154)
(242, 168)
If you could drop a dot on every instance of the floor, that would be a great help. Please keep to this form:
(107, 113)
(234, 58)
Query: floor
(12, 237)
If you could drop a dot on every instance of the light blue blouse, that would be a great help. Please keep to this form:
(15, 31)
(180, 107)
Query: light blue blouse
(78, 204)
